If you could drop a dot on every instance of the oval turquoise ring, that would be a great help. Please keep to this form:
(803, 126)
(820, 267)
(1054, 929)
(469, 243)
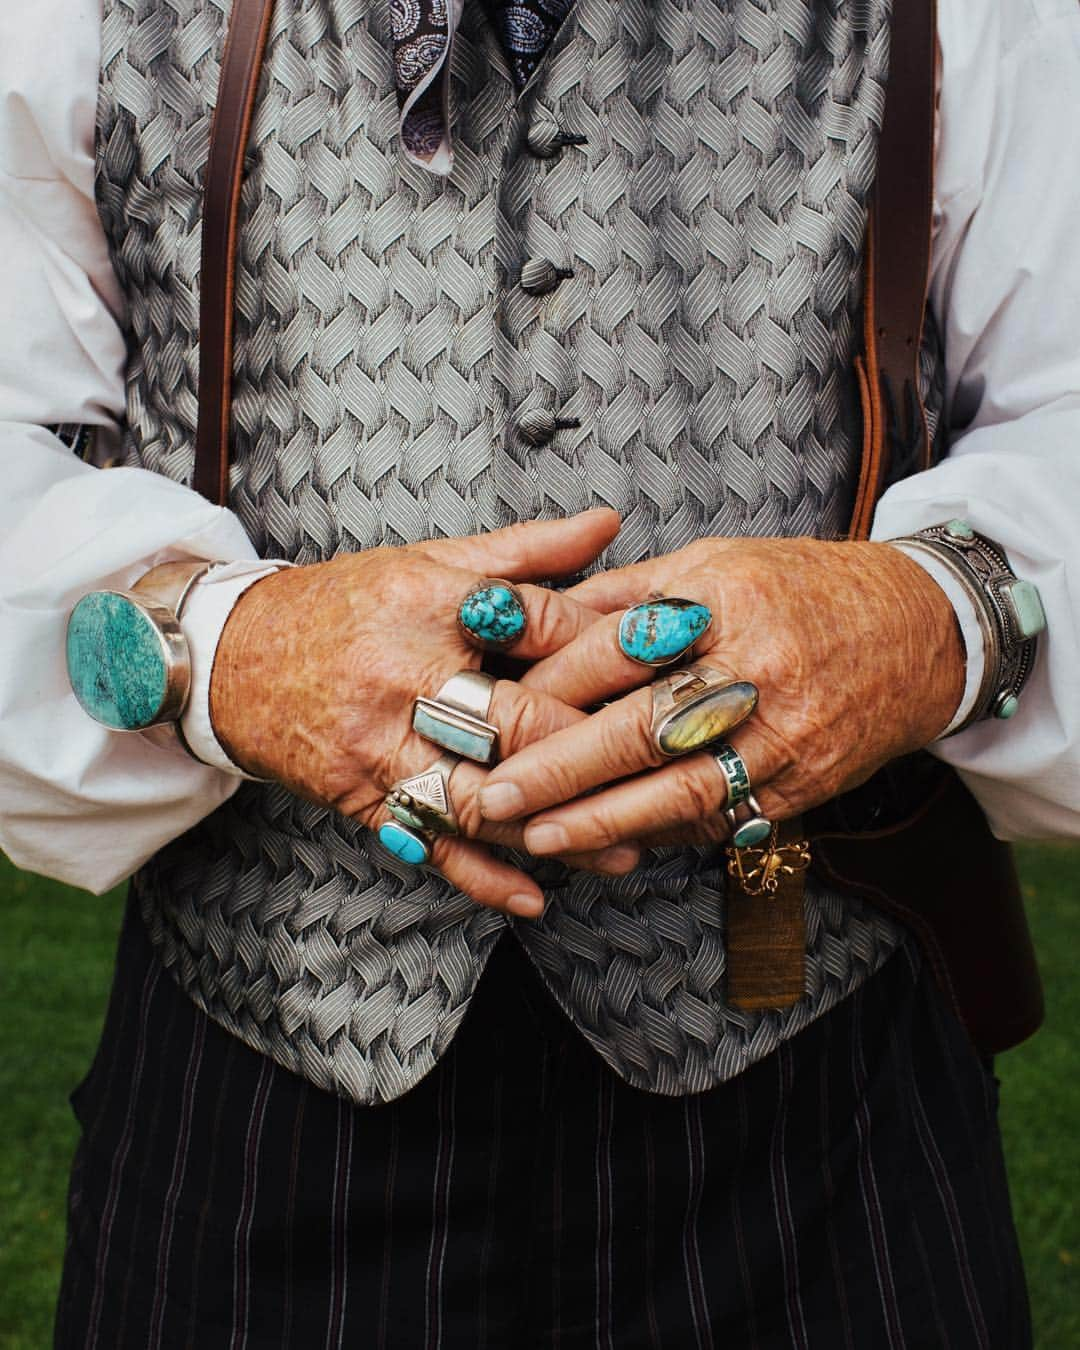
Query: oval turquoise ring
(492, 616)
(659, 631)
(410, 846)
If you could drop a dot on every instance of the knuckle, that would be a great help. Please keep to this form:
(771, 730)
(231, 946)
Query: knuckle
(693, 797)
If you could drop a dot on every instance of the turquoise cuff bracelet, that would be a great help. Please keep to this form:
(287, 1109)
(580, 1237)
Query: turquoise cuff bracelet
(1009, 612)
(127, 658)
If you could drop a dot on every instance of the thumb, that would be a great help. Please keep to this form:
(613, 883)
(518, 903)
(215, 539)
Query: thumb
(534, 549)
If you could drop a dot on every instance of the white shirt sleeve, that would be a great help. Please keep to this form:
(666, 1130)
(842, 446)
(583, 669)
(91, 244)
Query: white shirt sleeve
(76, 801)
(1006, 287)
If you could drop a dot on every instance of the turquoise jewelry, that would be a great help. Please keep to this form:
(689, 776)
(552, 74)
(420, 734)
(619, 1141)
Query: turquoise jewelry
(411, 846)
(736, 776)
(456, 718)
(1009, 611)
(127, 657)
(753, 830)
(697, 705)
(422, 802)
(661, 630)
(492, 616)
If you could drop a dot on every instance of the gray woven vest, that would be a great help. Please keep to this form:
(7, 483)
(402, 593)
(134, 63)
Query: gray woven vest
(395, 380)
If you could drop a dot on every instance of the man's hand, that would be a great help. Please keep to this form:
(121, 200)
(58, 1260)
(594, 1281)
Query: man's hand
(854, 648)
(318, 667)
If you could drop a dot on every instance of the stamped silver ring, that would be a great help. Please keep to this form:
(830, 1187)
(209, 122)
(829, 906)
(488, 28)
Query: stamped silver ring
(754, 827)
(695, 706)
(492, 616)
(456, 718)
(422, 802)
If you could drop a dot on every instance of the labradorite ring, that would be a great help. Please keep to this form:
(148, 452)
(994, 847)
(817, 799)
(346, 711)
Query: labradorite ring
(661, 629)
(736, 776)
(492, 616)
(456, 718)
(422, 802)
(695, 706)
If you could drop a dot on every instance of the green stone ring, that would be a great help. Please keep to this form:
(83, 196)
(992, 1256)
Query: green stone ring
(752, 831)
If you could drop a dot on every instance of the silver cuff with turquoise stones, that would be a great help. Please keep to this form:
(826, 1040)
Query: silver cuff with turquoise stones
(697, 705)
(422, 802)
(127, 657)
(1009, 611)
(456, 718)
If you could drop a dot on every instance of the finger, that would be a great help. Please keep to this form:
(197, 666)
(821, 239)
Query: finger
(552, 620)
(621, 587)
(690, 793)
(534, 549)
(590, 668)
(486, 879)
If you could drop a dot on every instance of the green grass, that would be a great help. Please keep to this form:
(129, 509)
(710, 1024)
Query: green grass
(55, 962)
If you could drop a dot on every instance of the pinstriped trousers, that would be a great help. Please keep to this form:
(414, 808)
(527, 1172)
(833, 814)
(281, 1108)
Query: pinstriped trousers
(848, 1191)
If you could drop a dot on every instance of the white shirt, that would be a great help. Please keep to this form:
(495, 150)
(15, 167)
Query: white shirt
(89, 806)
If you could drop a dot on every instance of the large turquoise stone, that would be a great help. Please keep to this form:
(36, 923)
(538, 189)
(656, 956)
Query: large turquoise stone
(403, 844)
(493, 615)
(478, 746)
(116, 661)
(660, 631)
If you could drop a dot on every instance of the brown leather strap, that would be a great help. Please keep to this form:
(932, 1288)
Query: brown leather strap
(249, 25)
(898, 254)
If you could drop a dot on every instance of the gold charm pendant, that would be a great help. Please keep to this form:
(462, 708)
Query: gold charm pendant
(758, 870)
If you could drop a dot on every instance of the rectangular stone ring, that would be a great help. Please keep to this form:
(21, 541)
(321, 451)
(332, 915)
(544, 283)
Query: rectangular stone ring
(456, 718)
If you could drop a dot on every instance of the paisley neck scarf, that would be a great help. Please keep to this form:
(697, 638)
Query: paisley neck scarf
(423, 33)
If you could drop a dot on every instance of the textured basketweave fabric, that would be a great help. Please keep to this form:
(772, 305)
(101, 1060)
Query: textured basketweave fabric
(395, 381)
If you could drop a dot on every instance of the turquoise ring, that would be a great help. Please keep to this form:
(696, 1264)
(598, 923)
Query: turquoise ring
(752, 831)
(492, 617)
(660, 630)
(411, 846)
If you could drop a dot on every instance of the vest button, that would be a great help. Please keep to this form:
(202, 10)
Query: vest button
(545, 138)
(540, 275)
(538, 426)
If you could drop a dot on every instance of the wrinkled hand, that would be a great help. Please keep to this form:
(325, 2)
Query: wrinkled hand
(856, 653)
(317, 669)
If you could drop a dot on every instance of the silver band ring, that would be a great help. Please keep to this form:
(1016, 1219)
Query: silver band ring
(736, 775)
(422, 802)
(456, 718)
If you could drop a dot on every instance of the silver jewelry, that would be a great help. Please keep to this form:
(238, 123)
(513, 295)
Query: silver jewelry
(1009, 611)
(492, 616)
(697, 705)
(753, 830)
(456, 718)
(127, 657)
(423, 801)
(736, 776)
(411, 846)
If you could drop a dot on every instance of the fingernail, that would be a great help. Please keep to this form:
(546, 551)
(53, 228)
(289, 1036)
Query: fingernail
(546, 839)
(502, 801)
(525, 906)
(618, 860)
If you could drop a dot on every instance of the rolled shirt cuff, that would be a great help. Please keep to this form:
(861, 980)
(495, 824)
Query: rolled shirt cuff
(205, 614)
(974, 648)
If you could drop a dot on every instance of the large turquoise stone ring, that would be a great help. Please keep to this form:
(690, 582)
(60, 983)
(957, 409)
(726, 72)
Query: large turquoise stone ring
(126, 660)
(493, 616)
(660, 631)
(408, 845)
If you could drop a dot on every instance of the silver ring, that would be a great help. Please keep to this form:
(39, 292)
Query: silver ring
(422, 802)
(493, 616)
(753, 830)
(661, 629)
(695, 706)
(456, 718)
(736, 775)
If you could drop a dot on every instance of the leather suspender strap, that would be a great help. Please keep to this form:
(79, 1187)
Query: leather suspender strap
(898, 256)
(249, 25)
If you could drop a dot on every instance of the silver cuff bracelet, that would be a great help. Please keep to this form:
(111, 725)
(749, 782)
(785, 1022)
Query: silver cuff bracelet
(1009, 612)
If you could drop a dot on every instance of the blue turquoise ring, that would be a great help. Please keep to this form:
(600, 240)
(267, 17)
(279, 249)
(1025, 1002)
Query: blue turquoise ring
(492, 616)
(753, 830)
(659, 631)
(411, 846)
